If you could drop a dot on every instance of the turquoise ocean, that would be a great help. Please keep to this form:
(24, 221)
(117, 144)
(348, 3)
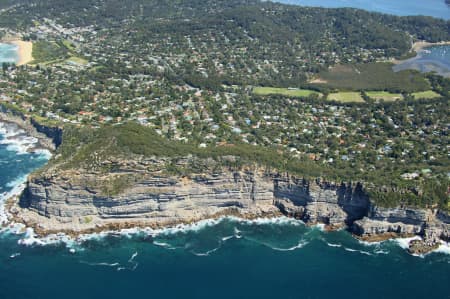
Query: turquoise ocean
(8, 53)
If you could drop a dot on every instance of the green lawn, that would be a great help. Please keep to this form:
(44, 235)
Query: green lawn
(68, 45)
(346, 96)
(429, 94)
(284, 91)
(76, 60)
(384, 95)
(45, 52)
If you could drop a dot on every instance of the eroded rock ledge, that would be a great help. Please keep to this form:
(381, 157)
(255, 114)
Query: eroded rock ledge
(141, 193)
(48, 137)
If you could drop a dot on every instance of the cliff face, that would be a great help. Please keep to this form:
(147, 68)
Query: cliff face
(48, 137)
(85, 199)
(81, 200)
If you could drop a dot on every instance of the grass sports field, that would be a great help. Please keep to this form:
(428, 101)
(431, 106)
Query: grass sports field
(429, 94)
(384, 95)
(284, 91)
(346, 96)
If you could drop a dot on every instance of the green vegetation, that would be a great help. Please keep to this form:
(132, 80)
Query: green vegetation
(117, 184)
(346, 97)
(374, 76)
(52, 52)
(285, 91)
(76, 60)
(89, 148)
(48, 52)
(183, 69)
(429, 94)
(68, 45)
(384, 95)
(86, 147)
(434, 194)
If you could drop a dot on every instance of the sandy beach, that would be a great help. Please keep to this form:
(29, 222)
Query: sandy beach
(24, 52)
(417, 46)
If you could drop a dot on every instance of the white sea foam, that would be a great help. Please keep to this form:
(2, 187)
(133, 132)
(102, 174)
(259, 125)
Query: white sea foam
(133, 256)
(300, 244)
(443, 248)
(226, 238)
(43, 153)
(14, 255)
(117, 265)
(16, 139)
(283, 220)
(132, 261)
(17, 187)
(320, 226)
(356, 250)
(380, 251)
(334, 245)
(207, 253)
(404, 242)
(18, 181)
(365, 243)
(184, 228)
(101, 264)
(164, 244)
(237, 233)
(31, 240)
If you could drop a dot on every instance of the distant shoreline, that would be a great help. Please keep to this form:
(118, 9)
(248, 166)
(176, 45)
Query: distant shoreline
(419, 46)
(24, 51)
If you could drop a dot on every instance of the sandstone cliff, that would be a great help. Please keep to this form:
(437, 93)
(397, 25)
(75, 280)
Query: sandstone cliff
(139, 192)
(49, 137)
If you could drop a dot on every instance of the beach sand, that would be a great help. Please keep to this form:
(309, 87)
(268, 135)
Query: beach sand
(417, 46)
(25, 51)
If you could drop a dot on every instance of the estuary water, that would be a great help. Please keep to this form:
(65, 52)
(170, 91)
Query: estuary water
(433, 8)
(227, 258)
(431, 59)
(8, 53)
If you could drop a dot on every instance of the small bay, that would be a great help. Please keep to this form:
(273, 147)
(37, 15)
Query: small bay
(8, 53)
(431, 59)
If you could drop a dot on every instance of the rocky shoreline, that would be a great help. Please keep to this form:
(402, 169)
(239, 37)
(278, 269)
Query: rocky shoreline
(76, 202)
(47, 137)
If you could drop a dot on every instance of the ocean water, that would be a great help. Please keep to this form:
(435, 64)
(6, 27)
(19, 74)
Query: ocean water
(435, 58)
(434, 8)
(8, 53)
(221, 259)
(226, 258)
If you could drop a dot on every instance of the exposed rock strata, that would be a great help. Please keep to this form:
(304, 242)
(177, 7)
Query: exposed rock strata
(74, 201)
(80, 201)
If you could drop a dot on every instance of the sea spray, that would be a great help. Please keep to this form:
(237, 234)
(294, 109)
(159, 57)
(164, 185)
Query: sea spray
(17, 162)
